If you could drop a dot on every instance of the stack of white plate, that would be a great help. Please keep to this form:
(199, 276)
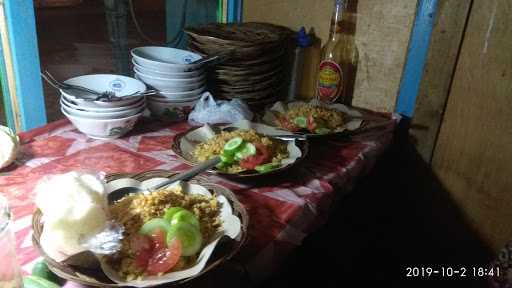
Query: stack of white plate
(168, 71)
(104, 119)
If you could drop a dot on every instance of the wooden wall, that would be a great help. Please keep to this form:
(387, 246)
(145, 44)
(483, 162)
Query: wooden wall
(473, 154)
(444, 49)
(382, 35)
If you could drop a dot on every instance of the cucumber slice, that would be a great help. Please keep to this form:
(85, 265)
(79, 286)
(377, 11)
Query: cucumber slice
(232, 145)
(247, 150)
(222, 166)
(41, 269)
(266, 167)
(227, 158)
(185, 216)
(152, 225)
(189, 236)
(300, 121)
(33, 281)
(170, 212)
(322, 130)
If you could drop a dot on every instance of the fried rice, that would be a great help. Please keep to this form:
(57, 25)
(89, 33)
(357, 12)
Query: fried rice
(134, 210)
(214, 146)
(332, 118)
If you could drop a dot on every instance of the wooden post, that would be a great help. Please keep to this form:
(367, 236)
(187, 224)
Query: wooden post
(20, 66)
(116, 12)
(234, 11)
(183, 13)
(416, 57)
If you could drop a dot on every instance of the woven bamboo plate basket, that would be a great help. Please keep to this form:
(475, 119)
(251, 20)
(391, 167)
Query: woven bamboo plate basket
(226, 248)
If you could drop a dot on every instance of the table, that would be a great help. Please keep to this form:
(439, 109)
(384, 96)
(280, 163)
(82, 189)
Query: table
(282, 210)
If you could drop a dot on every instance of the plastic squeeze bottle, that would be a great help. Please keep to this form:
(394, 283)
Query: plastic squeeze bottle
(303, 41)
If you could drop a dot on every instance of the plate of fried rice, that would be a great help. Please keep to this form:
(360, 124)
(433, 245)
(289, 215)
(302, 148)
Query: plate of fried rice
(246, 149)
(312, 118)
(169, 234)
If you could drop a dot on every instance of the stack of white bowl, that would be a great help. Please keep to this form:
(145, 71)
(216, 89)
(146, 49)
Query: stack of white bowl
(168, 71)
(103, 119)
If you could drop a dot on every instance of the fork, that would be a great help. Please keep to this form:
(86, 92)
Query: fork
(113, 97)
(65, 86)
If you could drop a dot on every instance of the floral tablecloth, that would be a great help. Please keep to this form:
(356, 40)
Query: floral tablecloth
(282, 210)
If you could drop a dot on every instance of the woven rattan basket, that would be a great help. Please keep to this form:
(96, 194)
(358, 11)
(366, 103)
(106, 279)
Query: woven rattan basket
(225, 249)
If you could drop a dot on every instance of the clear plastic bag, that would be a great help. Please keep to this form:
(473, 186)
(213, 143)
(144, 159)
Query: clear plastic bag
(208, 110)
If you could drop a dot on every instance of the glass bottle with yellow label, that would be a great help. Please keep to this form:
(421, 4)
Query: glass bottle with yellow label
(338, 65)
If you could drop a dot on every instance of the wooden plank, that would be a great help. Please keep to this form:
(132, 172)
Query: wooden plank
(473, 155)
(382, 35)
(416, 57)
(438, 73)
(21, 59)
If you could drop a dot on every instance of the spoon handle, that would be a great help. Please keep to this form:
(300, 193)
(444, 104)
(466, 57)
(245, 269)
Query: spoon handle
(189, 173)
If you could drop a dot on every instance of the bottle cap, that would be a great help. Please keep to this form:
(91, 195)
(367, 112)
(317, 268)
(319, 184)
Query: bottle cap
(303, 39)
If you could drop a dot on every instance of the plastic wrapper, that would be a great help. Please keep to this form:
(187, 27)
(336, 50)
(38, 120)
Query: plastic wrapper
(9, 146)
(75, 215)
(209, 110)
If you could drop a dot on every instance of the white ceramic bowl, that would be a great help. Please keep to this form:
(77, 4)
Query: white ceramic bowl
(165, 59)
(100, 104)
(156, 98)
(180, 96)
(171, 111)
(74, 105)
(104, 115)
(174, 86)
(103, 128)
(120, 85)
(156, 73)
(167, 81)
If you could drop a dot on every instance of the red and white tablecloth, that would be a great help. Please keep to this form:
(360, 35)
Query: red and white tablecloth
(282, 210)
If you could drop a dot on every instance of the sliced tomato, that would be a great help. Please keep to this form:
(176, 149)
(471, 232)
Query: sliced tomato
(140, 242)
(262, 156)
(262, 149)
(311, 124)
(287, 124)
(142, 246)
(159, 237)
(142, 259)
(165, 259)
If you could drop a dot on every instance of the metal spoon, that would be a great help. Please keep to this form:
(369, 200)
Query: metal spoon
(210, 60)
(279, 136)
(121, 192)
(65, 86)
